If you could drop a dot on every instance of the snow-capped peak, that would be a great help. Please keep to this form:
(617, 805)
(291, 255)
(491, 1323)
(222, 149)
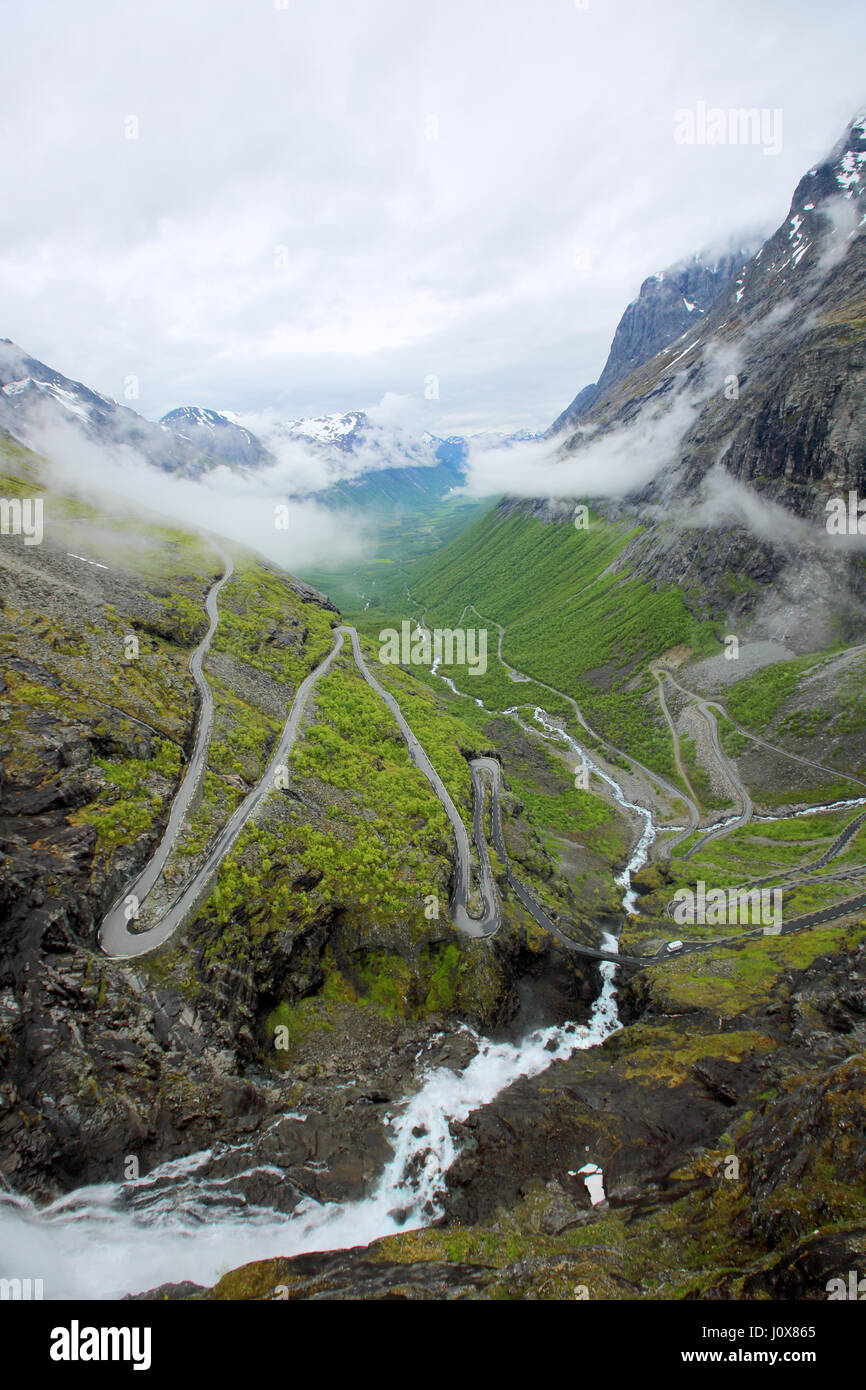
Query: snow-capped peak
(327, 429)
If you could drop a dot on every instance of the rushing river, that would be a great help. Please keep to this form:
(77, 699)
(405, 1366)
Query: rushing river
(175, 1224)
(179, 1224)
(640, 853)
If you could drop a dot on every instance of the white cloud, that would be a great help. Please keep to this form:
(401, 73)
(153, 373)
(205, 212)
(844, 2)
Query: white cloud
(724, 501)
(607, 465)
(392, 437)
(306, 129)
(240, 507)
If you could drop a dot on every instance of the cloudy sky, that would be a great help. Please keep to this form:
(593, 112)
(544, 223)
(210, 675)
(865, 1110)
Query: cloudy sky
(252, 205)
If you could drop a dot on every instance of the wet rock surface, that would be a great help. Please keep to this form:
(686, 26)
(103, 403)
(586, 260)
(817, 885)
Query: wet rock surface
(104, 1062)
(734, 1166)
(101, 1064)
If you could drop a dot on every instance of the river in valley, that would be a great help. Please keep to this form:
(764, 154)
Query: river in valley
(176, 1223)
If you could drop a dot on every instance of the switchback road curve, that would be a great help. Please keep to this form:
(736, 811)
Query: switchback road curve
(675, 792)
(117, 936)
(120, 941)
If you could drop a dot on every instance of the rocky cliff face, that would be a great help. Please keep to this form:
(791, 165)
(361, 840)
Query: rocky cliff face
(776, 365)
(729, 1134)
(771, 381)
(102, 1061)
(667, 306)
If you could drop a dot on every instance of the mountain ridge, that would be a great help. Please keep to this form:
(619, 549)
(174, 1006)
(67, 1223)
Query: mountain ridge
(772, 381)
(660, 313)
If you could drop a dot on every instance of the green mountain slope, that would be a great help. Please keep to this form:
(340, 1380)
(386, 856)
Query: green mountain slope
(571, 620)
(323, 921)
(404, 536)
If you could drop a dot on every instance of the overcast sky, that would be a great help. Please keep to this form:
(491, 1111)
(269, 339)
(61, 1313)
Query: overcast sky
(340, 199)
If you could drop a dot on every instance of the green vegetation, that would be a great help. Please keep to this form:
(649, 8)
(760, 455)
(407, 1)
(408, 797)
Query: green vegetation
(215, 802)
(265, 624)
(134, 800)
(756, 699)
(243, 737)
(568, 809)
(804, 723)
(373, 846)
(760, 849)
(569, 622)
(729, 980)
(443, 732)
(403, 537)
(733, 742)
(752, 853)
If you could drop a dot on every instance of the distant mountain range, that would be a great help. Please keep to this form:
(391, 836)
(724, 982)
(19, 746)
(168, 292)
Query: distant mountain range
(36, 401)
(386, 469)
(373, 465)
(215, 437)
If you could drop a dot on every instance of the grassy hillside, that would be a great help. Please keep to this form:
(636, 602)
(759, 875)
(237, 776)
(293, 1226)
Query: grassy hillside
(333, 874)
(401, 537)
(569, 620)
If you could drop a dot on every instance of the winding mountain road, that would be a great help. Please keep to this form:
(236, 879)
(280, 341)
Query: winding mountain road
(739, 787)
(470, 926)
(672, 728)
(653, 777)
(756, 738)
(489, 767)
(707, 709)
(120, 941)
(115, 936)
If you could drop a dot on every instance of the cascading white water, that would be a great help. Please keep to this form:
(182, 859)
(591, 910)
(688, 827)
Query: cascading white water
(117, 1238)
(816, 810)
(178, 1224)
(434, 671)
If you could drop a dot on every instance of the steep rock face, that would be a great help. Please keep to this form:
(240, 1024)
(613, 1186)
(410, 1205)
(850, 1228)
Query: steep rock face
(774, 372)
(309, 595)
(796, 318)
(775, 1084)
(667, 305)
(104, 1060)
(770, 384)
